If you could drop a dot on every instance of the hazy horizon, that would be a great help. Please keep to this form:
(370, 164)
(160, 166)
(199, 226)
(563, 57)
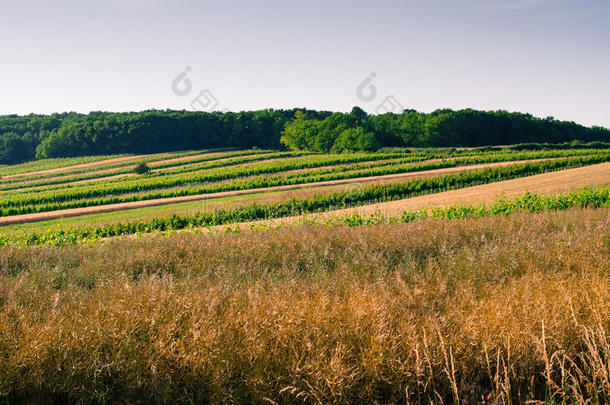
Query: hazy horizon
(543, 57)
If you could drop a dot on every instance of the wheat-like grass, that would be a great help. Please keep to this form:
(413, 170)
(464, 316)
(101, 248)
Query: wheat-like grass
(495, 310)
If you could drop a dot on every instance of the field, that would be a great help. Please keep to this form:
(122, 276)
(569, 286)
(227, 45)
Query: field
(88, 193)
(258, 276)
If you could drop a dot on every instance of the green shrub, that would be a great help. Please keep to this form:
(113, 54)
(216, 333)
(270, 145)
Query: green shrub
(142, 168)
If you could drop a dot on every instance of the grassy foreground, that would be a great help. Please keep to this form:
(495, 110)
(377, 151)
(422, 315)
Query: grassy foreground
(506, 308)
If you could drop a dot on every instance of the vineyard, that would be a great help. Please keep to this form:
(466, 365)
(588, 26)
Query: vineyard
(251, 276)
(59, 188)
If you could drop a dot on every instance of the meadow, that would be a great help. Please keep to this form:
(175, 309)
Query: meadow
(257, 276)
(502, 308)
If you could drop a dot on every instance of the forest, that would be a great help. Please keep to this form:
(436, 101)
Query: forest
(24, 138)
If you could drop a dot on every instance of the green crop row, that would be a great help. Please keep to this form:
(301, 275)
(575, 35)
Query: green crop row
(203, 169)
(131, 185)
(294, 207)
(100, 165)
(111, 169)
(264, 182)
(391, 158)
(86, 196)
(587, 197)
(71, 161)
(48, 164)
(186, 167)
(211, 161)
(59, 163)
(398, 167)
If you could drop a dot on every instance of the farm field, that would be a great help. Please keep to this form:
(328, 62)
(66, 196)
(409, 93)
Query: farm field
(430, 276)
(305, 203)
(547, 184)
(359, 181)
(251, 175)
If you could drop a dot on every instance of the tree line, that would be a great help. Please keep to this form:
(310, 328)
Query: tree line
(24, 138)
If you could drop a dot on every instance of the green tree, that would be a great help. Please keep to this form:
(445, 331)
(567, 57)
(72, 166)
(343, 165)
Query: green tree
(301, 133)
(13, 148)
(355, 139)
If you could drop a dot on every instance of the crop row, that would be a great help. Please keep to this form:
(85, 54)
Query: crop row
(260, 182)
(294, 207)
(154, 182)
(160, 157)
(587, 197)
(22, 207)
(189, 166)
(111, 169)
(102, 163)
(204, 169)
(48, 164)
(375, 158)
(140, 185)
(214, 161)
(397, 167)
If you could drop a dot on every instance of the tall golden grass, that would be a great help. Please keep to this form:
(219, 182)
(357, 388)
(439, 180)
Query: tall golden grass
(494, 310)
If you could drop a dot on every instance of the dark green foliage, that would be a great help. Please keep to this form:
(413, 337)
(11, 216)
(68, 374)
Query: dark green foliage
(356, 131)
(355, 139)
(103, 133)
(100, 133)
(142, 168)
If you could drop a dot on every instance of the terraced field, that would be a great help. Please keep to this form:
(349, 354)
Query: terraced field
(90, 193)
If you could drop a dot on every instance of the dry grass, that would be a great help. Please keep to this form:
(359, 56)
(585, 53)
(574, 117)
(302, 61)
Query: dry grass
(502, 309)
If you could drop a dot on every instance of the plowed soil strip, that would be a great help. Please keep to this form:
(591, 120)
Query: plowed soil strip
(43, 216)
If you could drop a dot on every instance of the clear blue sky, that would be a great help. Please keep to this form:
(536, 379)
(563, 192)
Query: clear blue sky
(540, 56)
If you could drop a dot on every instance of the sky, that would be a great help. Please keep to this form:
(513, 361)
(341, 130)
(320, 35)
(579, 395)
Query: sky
(545, 57)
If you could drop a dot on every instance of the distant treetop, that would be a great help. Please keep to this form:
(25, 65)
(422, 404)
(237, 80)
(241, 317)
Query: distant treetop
(29, 137)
